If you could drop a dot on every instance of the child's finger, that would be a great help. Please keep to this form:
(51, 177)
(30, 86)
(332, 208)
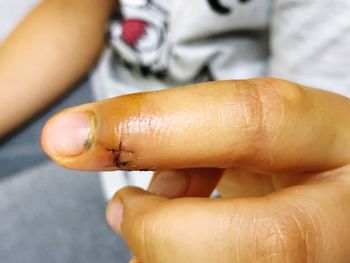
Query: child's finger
(264, 125)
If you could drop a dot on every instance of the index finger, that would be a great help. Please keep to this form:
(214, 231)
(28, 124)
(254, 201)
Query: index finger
(264, 125)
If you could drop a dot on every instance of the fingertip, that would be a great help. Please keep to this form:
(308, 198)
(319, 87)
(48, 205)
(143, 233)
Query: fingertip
(130, 192)
(126, 202)
(67, 134)
(73, 139)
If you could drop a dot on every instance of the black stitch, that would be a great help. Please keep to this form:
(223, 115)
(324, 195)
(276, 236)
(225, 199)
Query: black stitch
(116, 162)
(121, 164)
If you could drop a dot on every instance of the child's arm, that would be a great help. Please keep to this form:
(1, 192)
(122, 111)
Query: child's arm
(51, 49)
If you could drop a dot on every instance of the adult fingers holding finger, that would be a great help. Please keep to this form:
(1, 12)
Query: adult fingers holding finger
(304, 223)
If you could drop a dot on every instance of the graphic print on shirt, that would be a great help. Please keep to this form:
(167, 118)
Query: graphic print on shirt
(140, 37)
(220, 8)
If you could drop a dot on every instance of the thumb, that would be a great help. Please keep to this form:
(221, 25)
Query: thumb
(130, 197)
(193, 230)
(304, 223)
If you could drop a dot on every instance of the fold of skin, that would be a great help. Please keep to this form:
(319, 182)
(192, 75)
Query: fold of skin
(280, 149)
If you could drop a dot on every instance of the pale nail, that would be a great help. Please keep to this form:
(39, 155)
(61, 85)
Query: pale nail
(68, 134)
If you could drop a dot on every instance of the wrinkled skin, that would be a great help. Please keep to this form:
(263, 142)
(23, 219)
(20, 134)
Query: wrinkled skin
(278, 152)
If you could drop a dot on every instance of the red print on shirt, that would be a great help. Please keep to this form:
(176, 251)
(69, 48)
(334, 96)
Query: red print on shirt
(133, 30)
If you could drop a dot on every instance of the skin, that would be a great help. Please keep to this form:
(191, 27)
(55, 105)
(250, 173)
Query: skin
(276, 150)
(51, 49)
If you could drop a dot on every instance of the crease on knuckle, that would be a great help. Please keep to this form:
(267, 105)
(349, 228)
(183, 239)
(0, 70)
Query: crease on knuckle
(268, 105)
(285, 237)
(269, 108)
(261, 110)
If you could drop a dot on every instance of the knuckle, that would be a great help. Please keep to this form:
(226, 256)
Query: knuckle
(268, 106)
(259, 104)
(276, 98)
(288, 237)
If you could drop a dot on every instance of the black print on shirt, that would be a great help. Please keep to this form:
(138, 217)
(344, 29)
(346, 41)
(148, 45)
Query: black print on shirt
(138, 38)
(219, 8)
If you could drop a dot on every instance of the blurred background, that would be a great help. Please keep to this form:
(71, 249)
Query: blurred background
(55, 218)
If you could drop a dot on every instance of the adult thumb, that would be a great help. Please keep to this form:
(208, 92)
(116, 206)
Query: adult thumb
(302, 223)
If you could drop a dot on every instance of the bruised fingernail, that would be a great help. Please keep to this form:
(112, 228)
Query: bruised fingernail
(115, 215)
(170, 184)
(68, 134)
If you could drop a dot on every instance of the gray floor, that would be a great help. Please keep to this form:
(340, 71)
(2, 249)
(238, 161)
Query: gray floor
(49, 214)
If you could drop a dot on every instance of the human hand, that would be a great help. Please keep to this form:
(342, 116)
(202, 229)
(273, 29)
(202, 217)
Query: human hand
(280, 148)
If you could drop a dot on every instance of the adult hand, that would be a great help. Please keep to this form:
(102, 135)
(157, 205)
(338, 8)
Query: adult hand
(282, 151)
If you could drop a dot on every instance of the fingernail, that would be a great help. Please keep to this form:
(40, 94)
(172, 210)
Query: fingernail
(115, 215)
(68, 134)
(170, 184)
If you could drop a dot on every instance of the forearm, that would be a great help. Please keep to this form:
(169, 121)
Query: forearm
(49, 51)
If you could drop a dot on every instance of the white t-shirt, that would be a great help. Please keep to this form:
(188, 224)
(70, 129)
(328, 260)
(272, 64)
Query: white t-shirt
(157, 44)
